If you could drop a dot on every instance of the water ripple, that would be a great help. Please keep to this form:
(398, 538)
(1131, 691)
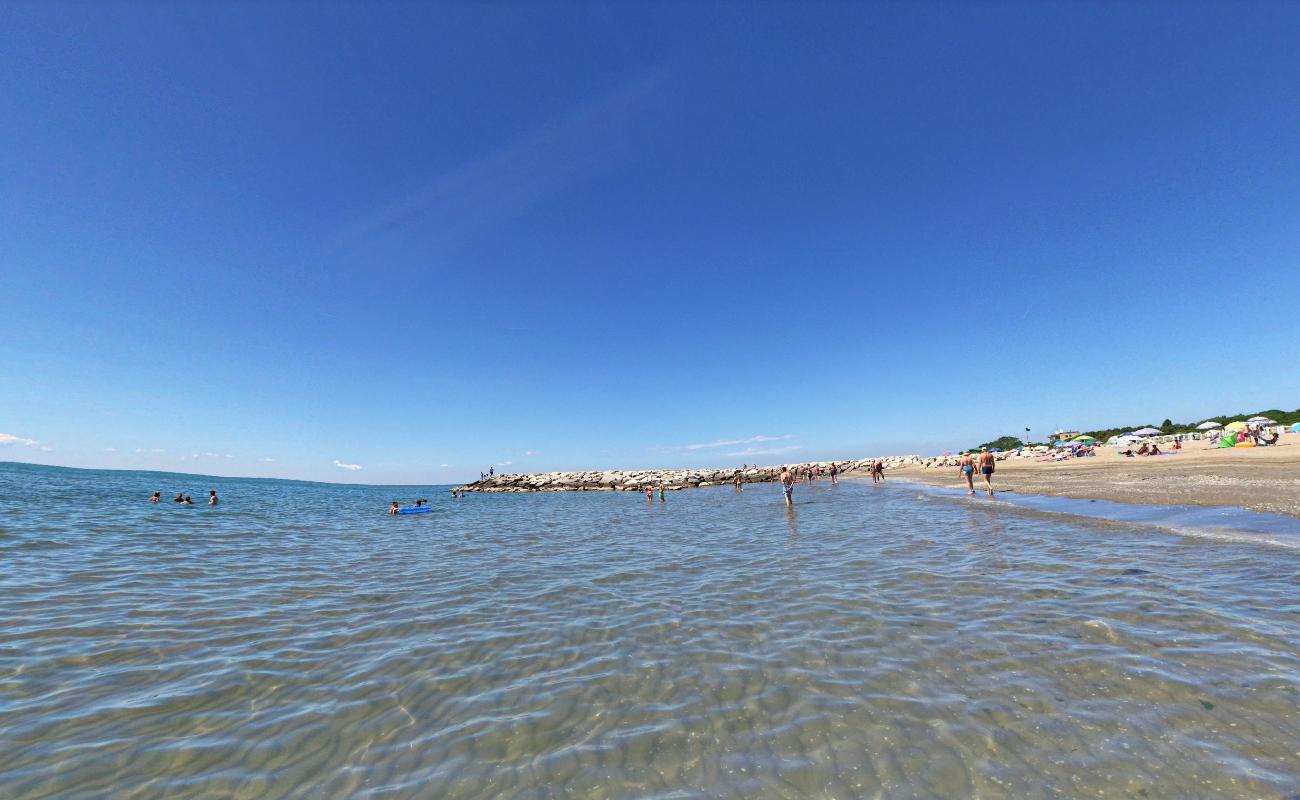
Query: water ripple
(295, 642)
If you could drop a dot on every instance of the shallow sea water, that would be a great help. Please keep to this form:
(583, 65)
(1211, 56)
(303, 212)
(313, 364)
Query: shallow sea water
(875, 642)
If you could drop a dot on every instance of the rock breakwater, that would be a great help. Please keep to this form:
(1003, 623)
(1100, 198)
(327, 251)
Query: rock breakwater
(670, 479)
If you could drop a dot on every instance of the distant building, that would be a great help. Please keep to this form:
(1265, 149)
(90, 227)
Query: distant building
(1064, 436)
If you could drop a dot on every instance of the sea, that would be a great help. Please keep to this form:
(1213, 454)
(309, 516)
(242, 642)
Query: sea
(874, 641)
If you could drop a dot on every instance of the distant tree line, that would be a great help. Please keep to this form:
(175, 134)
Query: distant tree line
(1167, 426)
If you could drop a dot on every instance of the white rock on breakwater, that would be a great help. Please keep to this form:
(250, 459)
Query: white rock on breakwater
(671, 479)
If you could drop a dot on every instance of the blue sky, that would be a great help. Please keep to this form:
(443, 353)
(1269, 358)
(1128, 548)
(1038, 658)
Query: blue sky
(419, 240)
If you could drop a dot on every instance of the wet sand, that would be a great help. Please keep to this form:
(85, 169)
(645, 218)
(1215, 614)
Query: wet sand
(1260, 479)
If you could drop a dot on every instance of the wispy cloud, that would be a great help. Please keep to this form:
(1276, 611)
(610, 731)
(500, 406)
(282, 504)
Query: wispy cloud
(733, 442)
(553, 156)
(763, 451)
(267, 460)
(110, 449)
(150, 450)
(8, 439)
(528, 453)
(341, 465)
(444, 465)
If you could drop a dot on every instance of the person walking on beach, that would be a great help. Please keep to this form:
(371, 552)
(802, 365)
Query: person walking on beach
(492, 471)
(212, 497)
(787, 487)
(967, 466)
(986, 469)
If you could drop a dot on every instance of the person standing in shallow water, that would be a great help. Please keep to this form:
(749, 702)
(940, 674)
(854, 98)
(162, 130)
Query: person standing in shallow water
(212, 497)
(156, 497)
(986, 469)
(663, 498)
(649, 493)
(835, 474)
(787, 486)
(967, 467)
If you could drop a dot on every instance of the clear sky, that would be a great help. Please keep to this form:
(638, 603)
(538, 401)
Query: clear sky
(422, 239)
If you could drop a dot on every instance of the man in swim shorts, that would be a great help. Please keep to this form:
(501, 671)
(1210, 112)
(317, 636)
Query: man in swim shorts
(835, 473)
(787, 486)
(986, 469)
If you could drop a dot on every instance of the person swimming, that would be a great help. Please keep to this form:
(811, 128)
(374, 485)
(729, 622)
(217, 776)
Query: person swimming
(393, 508)
(156, 497)
(212, 497)
(188, 501)
(179, 498)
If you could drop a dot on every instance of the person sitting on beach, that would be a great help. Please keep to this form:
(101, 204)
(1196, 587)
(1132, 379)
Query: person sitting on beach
(966, 465)
(1178, 445)
(1144, 450)
(1155, 450)
(393, 508)
(1265, 441)
(787, 486)
(212, 497)
(156, 497)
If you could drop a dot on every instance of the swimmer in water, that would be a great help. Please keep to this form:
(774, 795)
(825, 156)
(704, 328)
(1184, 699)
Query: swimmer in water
(650, 493)
(212, 497)
(662, 497)
(188, 501)
(179, 498)
(156, 497)
(393, 508)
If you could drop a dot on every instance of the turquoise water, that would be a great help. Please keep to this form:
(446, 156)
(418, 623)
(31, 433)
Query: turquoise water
(877, 641)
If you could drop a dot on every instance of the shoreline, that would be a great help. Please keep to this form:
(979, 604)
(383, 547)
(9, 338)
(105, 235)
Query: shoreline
(1259, 479)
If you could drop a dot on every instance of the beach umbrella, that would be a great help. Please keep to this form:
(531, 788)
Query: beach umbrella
(1065, 444)
(1235, 426)
(1208, 425)
(1083, 437)
(1148, 432)
(1262, 421)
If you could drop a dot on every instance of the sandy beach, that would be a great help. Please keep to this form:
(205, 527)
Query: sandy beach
(1260, 478)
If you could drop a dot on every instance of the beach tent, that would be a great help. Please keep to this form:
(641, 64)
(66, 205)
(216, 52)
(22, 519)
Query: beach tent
(1208, 426)
(1235, 426)
(1148, 432)
(1295, 428)
(1228, 440)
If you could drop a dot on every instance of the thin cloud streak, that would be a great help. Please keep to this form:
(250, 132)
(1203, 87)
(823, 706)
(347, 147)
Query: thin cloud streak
(565, 150)
(733, 442)
(764, 451)
(341, 465)
(8, 439)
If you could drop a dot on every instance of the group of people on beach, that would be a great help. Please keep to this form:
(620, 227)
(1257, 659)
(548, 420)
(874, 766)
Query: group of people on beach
(984, 462)
(185, 499)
